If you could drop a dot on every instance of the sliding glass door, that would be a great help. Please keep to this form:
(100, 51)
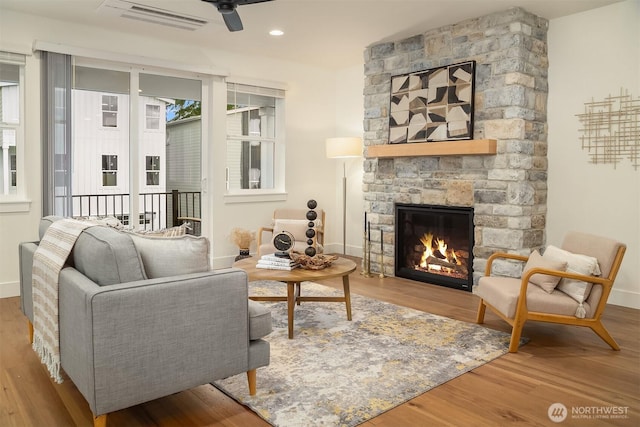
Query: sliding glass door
(135, 147)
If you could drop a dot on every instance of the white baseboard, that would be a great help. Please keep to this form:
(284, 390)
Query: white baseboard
(9, 289)
(624, 298)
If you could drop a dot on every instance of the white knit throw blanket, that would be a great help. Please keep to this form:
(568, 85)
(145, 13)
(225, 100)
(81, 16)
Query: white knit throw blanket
(48, 260)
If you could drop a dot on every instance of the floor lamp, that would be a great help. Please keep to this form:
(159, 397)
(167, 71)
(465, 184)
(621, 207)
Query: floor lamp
(340, 148)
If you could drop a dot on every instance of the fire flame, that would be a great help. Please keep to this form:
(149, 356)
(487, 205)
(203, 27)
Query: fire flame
(440, 252)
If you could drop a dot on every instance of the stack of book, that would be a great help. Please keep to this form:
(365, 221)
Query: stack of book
(273, 262)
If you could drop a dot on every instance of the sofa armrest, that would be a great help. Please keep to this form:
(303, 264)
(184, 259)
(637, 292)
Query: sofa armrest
(130, 343)
(25, 257)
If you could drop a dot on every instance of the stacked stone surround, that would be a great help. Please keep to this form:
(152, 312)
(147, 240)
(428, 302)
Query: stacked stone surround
(508, 191)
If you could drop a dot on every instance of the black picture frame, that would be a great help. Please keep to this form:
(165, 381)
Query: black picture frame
(433, 105)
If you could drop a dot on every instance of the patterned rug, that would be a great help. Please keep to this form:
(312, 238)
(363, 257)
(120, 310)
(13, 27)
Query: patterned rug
(340, 373)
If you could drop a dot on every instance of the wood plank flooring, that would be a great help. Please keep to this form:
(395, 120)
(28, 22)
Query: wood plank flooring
(560, 364)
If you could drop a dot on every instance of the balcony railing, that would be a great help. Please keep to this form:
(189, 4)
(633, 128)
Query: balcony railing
(157, 210)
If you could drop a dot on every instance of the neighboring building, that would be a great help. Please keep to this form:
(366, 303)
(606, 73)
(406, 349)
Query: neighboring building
(101, 159)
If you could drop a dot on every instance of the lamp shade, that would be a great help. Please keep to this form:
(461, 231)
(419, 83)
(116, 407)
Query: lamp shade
(344, 147)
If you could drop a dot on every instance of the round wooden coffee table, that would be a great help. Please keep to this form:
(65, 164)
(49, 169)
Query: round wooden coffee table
(339, 268)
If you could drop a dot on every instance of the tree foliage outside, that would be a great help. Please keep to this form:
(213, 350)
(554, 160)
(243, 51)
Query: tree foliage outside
(183, 109)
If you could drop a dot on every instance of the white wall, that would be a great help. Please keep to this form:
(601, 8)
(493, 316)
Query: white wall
(349, 119)
(310, 118)
(593, 55)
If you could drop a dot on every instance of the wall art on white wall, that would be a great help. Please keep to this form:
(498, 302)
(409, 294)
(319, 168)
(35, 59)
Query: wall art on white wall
(611, 129)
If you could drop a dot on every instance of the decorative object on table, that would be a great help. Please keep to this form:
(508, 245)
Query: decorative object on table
(433, 105)
(275, 262)
(283, 242)
(316, 262)
(311, 232)
(385, 356)
(242, 239)
(342, 148)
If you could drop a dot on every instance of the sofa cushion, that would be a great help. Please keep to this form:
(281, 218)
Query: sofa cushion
(578, 264)
(259, 320)
(172, 256)
(297, 227)
(545, 281)
(107, 256)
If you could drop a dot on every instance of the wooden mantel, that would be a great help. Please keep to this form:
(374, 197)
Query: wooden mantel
(440, 148)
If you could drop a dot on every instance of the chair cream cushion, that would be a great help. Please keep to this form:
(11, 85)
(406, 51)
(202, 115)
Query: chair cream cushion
(297, 227)
(576, 263)
(502, 293)
(545, 281)
(172, 256)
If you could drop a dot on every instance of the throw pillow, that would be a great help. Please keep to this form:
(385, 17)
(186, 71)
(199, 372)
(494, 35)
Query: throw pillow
(178, 230)
(297, 227)
(576, 263)
(172, 256)
(545, 281)
(107, 256)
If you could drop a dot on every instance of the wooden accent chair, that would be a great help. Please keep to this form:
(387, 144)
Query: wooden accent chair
(294, 221)
(517, 300)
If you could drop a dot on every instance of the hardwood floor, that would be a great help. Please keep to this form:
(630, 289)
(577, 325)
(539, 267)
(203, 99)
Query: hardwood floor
(560, 364)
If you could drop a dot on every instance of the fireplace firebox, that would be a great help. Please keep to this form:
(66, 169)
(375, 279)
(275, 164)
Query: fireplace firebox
(434, 244)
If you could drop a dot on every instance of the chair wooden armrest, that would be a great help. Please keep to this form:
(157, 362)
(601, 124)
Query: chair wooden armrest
(502, 255)
(606, 283)
(262, 230)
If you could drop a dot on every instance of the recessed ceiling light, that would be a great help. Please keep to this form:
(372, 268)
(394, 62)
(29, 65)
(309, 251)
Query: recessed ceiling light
(276, 32)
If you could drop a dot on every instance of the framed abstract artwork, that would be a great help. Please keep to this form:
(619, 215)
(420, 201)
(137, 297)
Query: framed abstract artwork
(433, 105)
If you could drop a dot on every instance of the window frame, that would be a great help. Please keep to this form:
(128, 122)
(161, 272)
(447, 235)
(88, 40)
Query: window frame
(17, 201)
(278, 191)
(114, 113)
(154, 170)
(104, 171)
(155, 118)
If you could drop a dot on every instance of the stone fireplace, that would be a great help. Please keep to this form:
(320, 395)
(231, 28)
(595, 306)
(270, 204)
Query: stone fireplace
(504, 187)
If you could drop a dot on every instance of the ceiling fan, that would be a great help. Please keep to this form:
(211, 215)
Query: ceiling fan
(228, 10)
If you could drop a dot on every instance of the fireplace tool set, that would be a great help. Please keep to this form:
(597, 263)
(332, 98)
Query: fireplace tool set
(366, 249)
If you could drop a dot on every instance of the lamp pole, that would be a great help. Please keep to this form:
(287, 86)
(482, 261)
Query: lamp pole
(342, 148)
(344, 208)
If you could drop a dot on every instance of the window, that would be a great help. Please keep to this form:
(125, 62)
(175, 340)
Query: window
(109, 111)
(11, 128)
(14, 170)
(109, 170)
(253, 137)
(152, 115)
(153, 170)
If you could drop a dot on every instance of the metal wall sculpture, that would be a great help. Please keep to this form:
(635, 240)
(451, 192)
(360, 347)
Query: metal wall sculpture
(611, 129)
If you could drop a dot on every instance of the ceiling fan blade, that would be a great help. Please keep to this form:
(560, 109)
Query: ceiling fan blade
(232, 19)
(241, 2)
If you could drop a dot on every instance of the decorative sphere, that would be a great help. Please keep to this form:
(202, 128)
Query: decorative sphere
(309, 242)
(310, 251)
(311, 204)
(310, 233)
(311, 224)
(311, 215)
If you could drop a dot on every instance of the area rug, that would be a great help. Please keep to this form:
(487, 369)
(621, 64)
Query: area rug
(336, 372)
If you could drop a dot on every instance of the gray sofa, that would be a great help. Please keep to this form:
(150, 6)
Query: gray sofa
(144, 317)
